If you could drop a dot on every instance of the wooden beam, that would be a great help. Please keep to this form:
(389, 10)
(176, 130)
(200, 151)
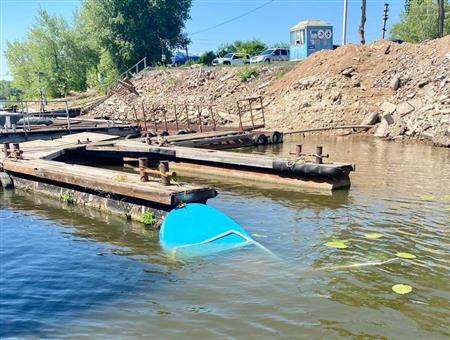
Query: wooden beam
(109, 181)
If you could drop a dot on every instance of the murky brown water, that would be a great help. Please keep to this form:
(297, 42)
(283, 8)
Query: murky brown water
(71, 272)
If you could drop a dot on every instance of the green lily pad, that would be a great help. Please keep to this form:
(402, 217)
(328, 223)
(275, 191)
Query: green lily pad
(373, 235)
(340, 244)
(402, 289)
(427, 197)
(407, 256)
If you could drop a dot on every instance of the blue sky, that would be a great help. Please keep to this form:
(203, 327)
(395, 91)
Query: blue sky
(270, 23)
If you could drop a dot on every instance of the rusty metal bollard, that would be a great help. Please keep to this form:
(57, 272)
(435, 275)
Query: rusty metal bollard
(318, 154)
(6, 151)
(298, 150)
(143, 164)
(16, 151)
(164, 169)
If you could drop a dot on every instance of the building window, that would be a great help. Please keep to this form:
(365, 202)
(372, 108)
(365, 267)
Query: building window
(298, 37)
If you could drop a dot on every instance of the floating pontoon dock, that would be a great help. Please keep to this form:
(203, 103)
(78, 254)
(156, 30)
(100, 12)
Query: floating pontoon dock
(254, 168)
(33, 165)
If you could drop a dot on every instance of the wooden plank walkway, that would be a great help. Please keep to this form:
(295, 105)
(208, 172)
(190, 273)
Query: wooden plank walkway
(21, 136)
(211, 139)
(38, 164)
(250, 166)
(108, 181)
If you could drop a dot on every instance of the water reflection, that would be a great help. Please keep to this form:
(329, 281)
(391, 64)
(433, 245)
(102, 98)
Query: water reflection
(399, 191)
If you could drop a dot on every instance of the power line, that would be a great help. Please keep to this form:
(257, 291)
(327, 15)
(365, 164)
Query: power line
(233, 19)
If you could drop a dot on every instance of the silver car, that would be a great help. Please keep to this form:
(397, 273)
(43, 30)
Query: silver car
(232, 59)
(272, 54)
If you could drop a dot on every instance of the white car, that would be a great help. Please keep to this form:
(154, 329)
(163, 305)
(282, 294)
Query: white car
(273, 54)
(232, 59)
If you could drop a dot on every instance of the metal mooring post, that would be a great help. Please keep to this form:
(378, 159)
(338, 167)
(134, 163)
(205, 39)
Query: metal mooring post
(164, 169)
(16, 151)
(298, 150)
(6, 151)
(318, 154)
(143, 164)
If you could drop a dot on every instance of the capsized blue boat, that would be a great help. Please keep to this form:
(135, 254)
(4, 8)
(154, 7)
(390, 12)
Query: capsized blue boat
(197, 229)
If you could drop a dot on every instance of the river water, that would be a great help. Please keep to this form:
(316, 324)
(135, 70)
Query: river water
(71, 272)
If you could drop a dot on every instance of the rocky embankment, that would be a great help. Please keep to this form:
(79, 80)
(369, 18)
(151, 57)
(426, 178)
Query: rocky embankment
(402, 88)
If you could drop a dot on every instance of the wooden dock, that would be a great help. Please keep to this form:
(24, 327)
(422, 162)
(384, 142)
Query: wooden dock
(254, 168)
(34, 165)
(210, 140)
(20, 136)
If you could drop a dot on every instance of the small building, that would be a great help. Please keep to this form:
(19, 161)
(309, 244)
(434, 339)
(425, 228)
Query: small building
(310, 36)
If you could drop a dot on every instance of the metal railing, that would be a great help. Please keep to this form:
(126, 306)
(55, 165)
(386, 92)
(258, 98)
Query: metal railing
(21, 108)
(140, 66)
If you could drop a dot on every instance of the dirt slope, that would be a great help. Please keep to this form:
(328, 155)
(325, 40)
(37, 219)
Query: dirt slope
(407, 85)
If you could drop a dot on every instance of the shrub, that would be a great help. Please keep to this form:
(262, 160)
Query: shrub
(148, 217)
(248, 72)
(67, 197)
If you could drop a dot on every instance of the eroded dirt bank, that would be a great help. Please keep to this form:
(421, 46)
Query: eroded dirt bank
(404, 88)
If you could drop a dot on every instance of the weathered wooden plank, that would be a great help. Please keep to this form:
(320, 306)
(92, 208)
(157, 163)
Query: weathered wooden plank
(110, 181)
(213, 140)
(204, 155)
(199, 135)
(50, 133)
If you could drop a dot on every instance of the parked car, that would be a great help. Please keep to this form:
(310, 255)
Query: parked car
(232, 59)
(273, 54)
(180, 59)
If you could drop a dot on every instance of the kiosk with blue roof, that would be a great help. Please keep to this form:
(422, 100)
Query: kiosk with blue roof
(310, 36)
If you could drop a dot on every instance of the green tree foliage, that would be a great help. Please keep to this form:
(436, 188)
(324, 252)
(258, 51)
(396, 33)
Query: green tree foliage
(420, 21)
(7, 91)
(280, 44)
(251, 47)
(53, 57)
(207, 58)
(132, 29)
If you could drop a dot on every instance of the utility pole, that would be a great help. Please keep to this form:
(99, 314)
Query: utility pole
(344, 23)
(383, 30)
(441, 18)
(363, 22)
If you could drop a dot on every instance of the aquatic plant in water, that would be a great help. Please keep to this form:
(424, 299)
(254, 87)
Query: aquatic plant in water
(339, 244)
(402, 289)
(373, 235)
(404, 255)
(67, 197)
(148, 217)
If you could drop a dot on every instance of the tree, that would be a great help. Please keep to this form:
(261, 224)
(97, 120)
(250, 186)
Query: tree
(207, 58)
(419, 21)
(363, 22)
(280, 44)
(441, 18)
(251, 47)
(53, 57)
(132, 29)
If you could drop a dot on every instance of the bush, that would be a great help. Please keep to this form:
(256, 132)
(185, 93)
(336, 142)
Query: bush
(67, 197)
(207, 58)
(248, 72)
(148, 217)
